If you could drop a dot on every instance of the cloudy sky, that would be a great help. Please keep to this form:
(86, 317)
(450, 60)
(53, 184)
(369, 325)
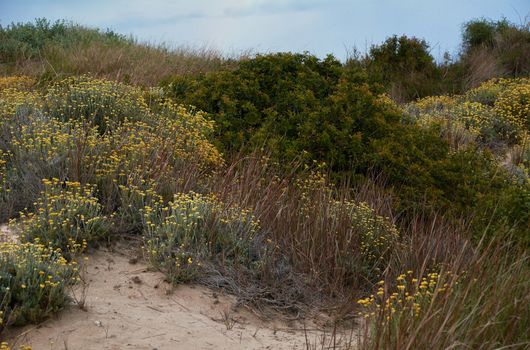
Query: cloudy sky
(318, 26)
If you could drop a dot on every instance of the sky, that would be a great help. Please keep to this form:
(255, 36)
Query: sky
(233, 26)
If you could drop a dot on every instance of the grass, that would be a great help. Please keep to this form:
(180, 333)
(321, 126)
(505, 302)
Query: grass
(480, 303)
(54, 50)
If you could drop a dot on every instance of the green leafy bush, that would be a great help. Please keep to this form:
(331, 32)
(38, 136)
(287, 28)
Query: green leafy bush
(272, 91)
(405, 66)
(303, 108)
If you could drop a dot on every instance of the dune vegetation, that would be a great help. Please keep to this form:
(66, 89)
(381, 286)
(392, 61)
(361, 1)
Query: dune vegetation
(389, 189)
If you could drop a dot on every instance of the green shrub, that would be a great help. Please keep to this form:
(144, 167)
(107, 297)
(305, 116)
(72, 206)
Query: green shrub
(274, 91)
(403, 65)
(304, 109)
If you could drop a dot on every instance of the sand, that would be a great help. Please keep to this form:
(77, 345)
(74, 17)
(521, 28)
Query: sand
(130, 307)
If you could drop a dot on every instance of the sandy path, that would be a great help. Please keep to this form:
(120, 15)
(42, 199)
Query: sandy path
(129, 307)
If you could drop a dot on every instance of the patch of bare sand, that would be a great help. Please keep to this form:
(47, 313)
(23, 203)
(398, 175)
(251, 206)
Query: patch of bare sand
(130, 307)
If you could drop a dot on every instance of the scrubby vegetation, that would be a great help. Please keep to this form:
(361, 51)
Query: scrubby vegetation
(294, 182)
(300, 108)
(34, 282)
(63, 48)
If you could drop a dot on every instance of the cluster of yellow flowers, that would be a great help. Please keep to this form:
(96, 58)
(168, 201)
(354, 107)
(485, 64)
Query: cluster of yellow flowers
(66, 215)
(498, 108)
(68, 123)
(3, 168)
(134, 196)
(435, 103)
(5, 346)
(102, 102)
(11, 99)
(142, 131)
(33, 278)
(188, 211)
(17, 82)
(315, 180)
(122, 147)
(195, 226)
(14, 93)
(379, 237)
(43, 140)
(408, 297)
(104, 133)
(513, 105)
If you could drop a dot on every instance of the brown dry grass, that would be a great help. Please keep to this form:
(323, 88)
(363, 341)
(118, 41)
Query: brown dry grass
(125, 60)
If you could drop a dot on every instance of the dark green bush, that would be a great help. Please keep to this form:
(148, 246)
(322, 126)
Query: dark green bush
(405, 66)
(481, 32)
(301, 108)
(275, 91)
(507, 44)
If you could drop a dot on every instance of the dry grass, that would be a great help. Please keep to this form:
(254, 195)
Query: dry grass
(138, 64)
(483, 65)
(135, 64)
(53, 50)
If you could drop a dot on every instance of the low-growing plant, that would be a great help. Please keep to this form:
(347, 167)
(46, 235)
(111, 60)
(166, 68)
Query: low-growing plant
(61, 136)
(33, 282)
(17, 82)
(497, 111)
(102, 103)
(65, 212)
(132, 201)
(195, 228)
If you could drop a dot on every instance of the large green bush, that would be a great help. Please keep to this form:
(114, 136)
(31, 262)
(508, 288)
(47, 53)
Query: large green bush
(275, 91)
(405, 66)
(301, 108)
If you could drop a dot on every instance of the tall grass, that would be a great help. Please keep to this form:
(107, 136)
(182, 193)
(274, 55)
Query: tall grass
(483, 303)
(53, 50)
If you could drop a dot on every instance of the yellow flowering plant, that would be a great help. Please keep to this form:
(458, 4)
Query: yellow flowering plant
(497, 110)
(20, 82)
(102, 103)
(193, 228)
(5, 346)
(33, 282)
(100, 132)
(67, 215)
